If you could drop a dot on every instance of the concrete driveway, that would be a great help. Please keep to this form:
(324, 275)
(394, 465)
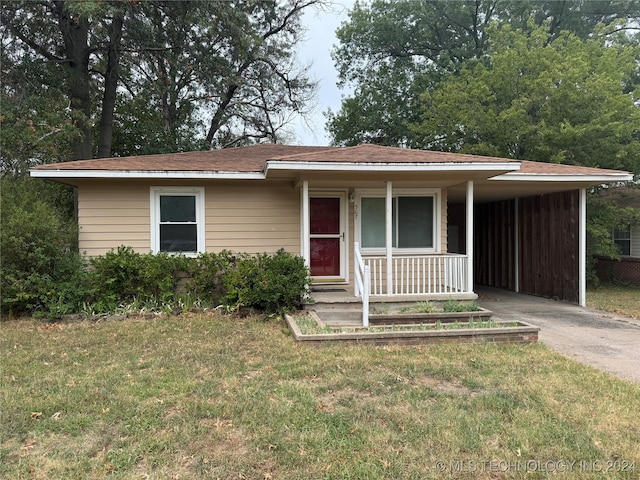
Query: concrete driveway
(602, 340)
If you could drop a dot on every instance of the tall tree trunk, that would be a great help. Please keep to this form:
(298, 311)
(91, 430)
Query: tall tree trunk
(75, 32)
(110, 86)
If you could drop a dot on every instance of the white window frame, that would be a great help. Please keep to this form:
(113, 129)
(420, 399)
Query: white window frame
(156, 193)
(435, 193)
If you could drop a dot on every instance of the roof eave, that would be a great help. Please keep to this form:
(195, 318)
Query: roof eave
(145, 174)
(586, 178)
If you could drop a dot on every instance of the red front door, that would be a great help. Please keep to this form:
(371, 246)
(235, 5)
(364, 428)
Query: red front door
(326, 236)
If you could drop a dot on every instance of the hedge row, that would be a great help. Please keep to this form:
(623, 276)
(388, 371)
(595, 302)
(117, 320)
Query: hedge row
(124, 279)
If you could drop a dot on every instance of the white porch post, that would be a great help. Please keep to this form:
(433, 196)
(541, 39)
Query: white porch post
(389, 236)
(305, 246)
(470, 236)
(582, 253)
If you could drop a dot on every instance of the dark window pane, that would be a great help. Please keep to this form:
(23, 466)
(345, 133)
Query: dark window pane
(415, 222)
(624, 246)
(178, 238)
(325, 256)
(177, 208)
(324, 215)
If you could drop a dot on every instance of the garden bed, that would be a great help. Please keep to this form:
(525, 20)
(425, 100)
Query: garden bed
(307, 327)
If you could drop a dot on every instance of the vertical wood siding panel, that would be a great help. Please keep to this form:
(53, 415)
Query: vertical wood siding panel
(494, 244)
(548, 245)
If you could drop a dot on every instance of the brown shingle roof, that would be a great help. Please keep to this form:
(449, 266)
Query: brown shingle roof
(368, 153)
(240, 159)
(543, 168)
(254, 159)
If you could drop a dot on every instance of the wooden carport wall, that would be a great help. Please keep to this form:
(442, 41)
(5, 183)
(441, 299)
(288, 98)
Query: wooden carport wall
(533, 245)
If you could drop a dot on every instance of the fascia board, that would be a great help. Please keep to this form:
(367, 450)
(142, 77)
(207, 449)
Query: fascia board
(392, 167)
(142, 174)
(539, 177)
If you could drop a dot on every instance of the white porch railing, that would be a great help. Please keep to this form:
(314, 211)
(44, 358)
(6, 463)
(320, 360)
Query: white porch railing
(419, 274)
(362, 287)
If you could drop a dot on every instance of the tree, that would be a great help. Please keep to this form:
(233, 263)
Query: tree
(40, 267)
(231, 78)
(36, 126)
(392, 52)
(536, 97)
(206, 73)
(562, 100)
(605, 216)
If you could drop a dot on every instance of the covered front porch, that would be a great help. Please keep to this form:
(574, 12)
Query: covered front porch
(385, 242)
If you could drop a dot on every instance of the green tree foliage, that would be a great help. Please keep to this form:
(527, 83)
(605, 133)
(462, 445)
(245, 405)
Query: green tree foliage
(562, 100)
(40, 268)
(154, 76)
(604, 217)
(35, 125)
(393, 52)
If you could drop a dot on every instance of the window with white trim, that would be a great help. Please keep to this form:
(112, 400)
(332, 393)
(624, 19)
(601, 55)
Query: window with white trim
(622, 238)
(414, 218)
(177, 220)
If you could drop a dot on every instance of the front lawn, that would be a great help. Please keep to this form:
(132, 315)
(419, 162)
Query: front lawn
(207, 396)
(620, 299)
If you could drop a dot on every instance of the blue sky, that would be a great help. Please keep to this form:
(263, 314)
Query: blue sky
(316, 49)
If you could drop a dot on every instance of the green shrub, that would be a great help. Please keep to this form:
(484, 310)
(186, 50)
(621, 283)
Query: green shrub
(40, 268)
(124, 276)
(206, 276)
(271, 283)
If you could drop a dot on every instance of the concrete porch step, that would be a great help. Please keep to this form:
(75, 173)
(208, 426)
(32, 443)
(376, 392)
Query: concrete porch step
(340, 315)
(336, 309)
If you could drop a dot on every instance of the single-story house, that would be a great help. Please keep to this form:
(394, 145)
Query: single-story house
(425, 224)
(627, 268)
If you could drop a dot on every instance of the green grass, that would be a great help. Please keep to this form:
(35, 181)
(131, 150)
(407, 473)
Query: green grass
(620, 299)
(206, 396)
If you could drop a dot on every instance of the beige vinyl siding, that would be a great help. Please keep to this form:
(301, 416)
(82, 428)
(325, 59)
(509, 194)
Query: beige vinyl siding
(112, 214)
(239, 216)
(253, 217)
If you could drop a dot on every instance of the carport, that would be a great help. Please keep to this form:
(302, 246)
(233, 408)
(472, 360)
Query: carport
(529, 230)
